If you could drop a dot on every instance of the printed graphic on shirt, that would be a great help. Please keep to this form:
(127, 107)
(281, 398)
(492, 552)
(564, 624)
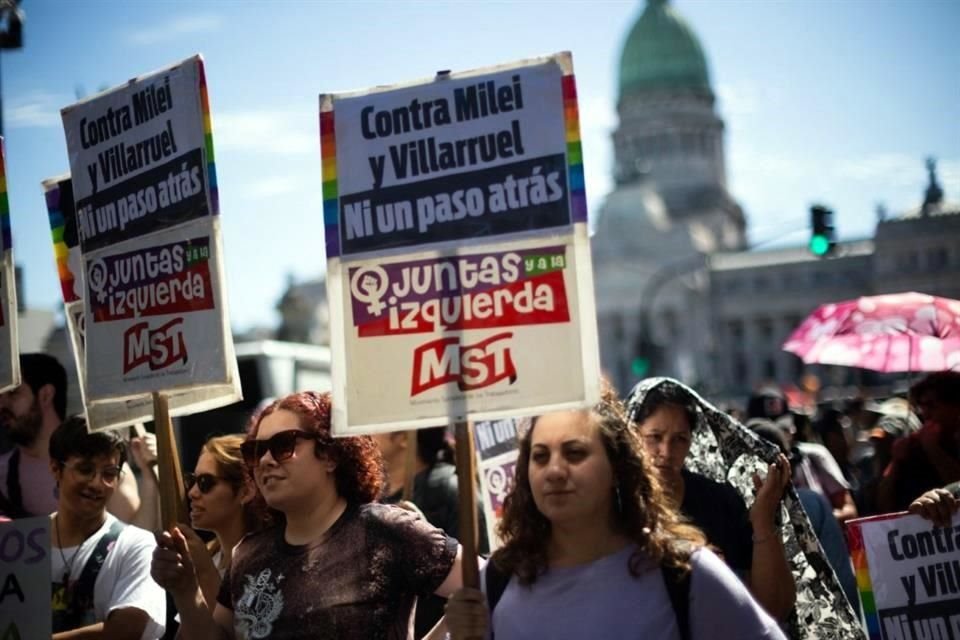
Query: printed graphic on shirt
(259, 606)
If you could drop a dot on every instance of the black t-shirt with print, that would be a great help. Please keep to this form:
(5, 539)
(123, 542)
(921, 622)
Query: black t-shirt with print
(359, 581)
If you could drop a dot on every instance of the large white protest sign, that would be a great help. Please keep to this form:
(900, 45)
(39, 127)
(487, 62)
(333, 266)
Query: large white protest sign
(908, 575)
(9, 341)
(144, 183)
(108, 414)
(25, 579)
(458, 259)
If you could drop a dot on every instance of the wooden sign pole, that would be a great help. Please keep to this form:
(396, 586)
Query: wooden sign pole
(173, 502)
(466, 474)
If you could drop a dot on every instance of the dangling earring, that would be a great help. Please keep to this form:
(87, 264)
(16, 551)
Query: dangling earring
(616, 491)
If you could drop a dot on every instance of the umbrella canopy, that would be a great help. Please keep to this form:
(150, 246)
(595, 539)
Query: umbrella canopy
(897, 332)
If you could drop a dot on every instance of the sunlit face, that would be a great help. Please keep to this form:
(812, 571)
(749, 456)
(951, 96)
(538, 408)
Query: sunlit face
(86, 484)
(666, 437)
(571, 477)
(221, 505)
(20, 415)
(301, 480)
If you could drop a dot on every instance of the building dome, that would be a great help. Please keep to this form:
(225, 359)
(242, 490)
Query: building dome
(662, 52)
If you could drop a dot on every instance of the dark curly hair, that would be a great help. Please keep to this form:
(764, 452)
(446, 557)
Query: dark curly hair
(641, 514)
(359, 475)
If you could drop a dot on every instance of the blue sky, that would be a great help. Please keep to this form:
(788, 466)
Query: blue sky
(838, 102)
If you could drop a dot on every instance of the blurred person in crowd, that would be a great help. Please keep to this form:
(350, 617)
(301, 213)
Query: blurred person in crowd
(938, 505)
(335, 563)
(832, 427)
(221, 495)
(928, 458)
(726, 452)
(894, 420)
(812, 464)
(821, 517)
(665, 417)
(29, 414)
(591, 548)
(435, 494)
(100, 567)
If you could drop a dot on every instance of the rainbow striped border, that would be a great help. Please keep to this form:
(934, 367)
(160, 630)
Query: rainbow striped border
(331, 203)
(60, 250)
(858, 554)
(4, 202)
(208, 140)
(571, 121)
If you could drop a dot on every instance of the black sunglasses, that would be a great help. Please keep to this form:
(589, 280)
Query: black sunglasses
(205, 481)
(281, 446)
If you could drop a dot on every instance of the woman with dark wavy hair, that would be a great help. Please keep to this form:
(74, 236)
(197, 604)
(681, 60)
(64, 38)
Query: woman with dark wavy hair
(592, 551)
(335, 564)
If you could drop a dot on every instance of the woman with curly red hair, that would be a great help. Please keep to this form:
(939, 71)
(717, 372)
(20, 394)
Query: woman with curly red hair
(592, 550)
(335, 564)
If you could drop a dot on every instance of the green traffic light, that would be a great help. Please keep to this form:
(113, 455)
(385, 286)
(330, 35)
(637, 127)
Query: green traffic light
(640, 367)
(819, 245)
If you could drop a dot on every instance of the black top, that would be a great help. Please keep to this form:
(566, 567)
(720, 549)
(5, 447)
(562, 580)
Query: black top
(719, 511)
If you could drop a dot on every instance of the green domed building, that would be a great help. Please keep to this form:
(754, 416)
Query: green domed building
(670, 205)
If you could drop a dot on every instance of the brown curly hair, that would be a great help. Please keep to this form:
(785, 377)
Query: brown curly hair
(641, 514)
(359, 475)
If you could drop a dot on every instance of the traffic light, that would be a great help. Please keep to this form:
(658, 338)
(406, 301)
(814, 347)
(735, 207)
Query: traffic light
(647, 356)
(822, 237)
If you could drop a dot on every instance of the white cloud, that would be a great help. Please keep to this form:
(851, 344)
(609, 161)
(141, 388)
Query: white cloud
(738, 99)
(177, 27)
(273, 186)
(37, 109)
(267, 131)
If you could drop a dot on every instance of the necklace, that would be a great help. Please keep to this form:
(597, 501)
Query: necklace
(68, 566)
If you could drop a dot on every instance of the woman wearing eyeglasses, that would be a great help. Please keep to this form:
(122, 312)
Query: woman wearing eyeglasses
(221, 496)
(100, 567)
(337, 564)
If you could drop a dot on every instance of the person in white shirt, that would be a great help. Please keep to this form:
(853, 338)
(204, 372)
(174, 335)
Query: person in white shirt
(100, 567)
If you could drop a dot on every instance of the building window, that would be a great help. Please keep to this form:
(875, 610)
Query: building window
(909, 260)
(938, 258)
(740, 369)
(765, 329)
(735, 330)
(769, 369)
(760, 283)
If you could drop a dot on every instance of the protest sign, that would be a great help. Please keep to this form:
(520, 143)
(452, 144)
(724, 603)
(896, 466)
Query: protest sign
(458, 258)
(25, 575)
(9, 341)
(144, 182)
(497, 445)
(109, 414)
(908, 575)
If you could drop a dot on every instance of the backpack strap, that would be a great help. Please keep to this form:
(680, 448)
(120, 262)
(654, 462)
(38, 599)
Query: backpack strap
(13, 504)
(678, 588)
(496, 583)
(81, 599)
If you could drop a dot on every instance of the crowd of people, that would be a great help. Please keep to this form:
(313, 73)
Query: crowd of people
(656, 513)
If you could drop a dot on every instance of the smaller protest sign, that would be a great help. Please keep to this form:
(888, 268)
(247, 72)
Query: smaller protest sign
(109, 414)
(497, 446)
(9, 341)
(908, 575)
(25, 579)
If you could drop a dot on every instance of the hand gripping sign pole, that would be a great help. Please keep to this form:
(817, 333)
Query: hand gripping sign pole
(173, 504)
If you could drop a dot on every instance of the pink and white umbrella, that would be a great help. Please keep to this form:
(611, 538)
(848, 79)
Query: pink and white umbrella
(897, 332)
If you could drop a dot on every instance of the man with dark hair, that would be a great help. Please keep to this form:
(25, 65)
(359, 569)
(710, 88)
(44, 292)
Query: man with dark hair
(928, 458)
(29, 414)
(100, 568)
